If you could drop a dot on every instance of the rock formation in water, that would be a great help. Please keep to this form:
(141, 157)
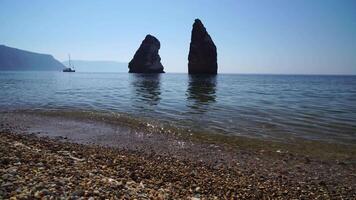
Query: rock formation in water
(146, 58)
(17, 59)
(202, 53)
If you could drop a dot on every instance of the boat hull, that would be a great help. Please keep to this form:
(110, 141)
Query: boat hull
(68, 70)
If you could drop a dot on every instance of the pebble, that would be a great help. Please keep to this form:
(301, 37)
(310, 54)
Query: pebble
(42, 168)
(45, 192)
(7, 184)
(78, 193)
(6, 176)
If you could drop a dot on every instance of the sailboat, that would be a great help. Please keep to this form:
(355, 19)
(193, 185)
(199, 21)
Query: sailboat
(70, 68)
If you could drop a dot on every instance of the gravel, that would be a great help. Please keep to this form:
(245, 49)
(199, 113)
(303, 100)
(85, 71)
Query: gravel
(32, 167)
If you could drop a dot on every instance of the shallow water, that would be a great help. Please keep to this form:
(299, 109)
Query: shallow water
(265, 106)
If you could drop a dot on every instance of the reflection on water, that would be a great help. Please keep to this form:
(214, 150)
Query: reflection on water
(268, 106)
(146, 87)
(201, 92)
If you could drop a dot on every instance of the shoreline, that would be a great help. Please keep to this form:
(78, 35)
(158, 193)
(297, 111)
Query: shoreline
(108, 129)
(196, 170)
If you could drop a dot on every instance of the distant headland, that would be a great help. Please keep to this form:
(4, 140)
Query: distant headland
(13, 59)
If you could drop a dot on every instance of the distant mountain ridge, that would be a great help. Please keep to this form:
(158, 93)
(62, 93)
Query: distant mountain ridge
(97, 66)
(18, 60)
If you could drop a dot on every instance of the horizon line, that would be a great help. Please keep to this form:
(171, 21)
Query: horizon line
(224, 73)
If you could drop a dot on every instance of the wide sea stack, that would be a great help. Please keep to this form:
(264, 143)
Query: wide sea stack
(17, 60)
(146, 58)
(202, 53)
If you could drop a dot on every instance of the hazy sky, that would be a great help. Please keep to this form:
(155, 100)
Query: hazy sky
(261, 36)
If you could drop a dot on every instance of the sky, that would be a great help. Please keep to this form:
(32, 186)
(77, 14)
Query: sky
(252, 36)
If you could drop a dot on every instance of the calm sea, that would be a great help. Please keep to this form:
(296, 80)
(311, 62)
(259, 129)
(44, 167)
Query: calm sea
(263, 106)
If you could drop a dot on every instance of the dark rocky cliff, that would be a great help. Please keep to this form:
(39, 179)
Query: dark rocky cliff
(17, 59)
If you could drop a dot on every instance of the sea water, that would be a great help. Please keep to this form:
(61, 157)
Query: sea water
(316, 107)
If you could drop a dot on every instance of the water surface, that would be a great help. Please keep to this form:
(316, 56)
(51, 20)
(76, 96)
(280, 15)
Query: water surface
(279, 107)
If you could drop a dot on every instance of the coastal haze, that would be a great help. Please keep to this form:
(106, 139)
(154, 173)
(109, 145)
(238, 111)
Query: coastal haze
(97, 65)
(279, 37)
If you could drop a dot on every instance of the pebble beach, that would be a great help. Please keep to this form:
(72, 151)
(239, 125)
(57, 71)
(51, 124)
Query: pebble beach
(33, 167)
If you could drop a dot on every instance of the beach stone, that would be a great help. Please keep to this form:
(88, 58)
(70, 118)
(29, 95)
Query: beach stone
(7, 176)
(38, 194)
(18, 190)
(39, 186)
(202, 57)
(12, 170)
(146, 58)
(45, 192)
(78, 193)
(5, 161)
(7, 184)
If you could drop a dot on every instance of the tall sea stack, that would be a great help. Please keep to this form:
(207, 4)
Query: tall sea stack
(202, 53)
(146, 58)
